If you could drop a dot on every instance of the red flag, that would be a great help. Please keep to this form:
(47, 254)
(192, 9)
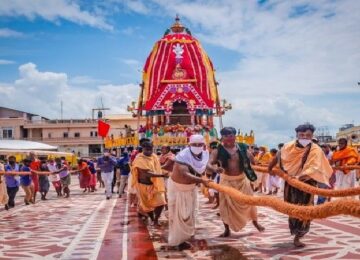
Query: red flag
(103, 128)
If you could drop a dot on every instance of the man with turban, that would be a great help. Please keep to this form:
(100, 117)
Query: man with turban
(234, 159)
(189, 165)
(305, 161)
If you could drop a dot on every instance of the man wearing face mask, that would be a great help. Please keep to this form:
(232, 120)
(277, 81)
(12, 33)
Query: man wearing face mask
(305, 161)
(234, 159)
(182, 192)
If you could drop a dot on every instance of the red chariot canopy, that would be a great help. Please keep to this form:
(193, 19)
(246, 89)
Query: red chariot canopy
(178, 69)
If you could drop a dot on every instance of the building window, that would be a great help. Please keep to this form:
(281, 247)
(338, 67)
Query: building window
(7, 133)
(95, 133)
(91, 134)
(66, 134)
(49, 135)
(77, 134)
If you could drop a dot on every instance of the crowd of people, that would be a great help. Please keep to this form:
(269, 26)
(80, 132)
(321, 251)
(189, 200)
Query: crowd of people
(229, 163)
(37, 174)
(158, 180)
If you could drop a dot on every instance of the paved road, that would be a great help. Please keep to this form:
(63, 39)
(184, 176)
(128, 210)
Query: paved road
(86, 226)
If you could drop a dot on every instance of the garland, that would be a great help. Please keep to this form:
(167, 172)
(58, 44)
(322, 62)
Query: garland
(311, 189)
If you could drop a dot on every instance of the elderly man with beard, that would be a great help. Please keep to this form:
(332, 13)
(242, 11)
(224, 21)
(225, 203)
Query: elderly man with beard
(305, 161)
(189, 165)
(235, 160)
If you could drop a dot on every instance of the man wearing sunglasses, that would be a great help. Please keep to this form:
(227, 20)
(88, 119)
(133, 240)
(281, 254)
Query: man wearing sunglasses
(234, 159)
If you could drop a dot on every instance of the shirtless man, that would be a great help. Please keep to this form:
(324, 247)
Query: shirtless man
(231, 155)
(189, 165)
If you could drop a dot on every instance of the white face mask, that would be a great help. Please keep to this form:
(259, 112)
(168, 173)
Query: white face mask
(196, 150)
(304, 142)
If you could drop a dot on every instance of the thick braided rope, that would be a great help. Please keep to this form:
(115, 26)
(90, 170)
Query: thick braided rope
(342, 206)
(308, 188)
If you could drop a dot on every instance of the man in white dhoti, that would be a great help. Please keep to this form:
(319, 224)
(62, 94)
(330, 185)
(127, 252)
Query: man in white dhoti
(345, 156)
(189, 165)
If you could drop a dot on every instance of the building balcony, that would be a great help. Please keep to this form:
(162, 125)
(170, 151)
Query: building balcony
(66, 123)
(67, 141)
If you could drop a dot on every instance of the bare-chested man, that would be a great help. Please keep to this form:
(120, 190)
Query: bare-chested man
(189, 165)
(230, 156)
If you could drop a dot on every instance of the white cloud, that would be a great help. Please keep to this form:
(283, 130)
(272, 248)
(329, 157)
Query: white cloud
(292, 54)
(41, 92)
(85, 80)
(283, 59)
(129, 30)
(276, 116)
(284, 56)
(7, 33)
(136, 6)
(53, 10)
(32, 80)
(131, 62)
(6, 62)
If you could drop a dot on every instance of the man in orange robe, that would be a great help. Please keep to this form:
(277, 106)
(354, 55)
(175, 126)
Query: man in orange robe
(148, 180)
(343, 157)
(305, 161)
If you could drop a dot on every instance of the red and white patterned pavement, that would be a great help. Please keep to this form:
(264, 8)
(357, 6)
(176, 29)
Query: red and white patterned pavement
(86, 226)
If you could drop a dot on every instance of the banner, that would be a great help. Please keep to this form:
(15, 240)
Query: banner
(103, 128)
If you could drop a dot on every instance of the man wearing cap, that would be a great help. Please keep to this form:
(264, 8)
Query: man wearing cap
(305, 161)
(234, 159)
(189, 165)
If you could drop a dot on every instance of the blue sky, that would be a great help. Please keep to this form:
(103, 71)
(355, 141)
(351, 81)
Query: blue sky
(280, 63)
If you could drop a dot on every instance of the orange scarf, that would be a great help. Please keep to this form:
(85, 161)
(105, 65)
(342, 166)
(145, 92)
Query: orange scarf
(347, 156)
(150, 163)
(264, 159)
(316, 166)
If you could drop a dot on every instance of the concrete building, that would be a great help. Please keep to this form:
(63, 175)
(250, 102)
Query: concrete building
(351, 133)
(70, 135)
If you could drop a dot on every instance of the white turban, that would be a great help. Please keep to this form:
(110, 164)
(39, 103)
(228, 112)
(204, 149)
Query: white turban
(196, 139)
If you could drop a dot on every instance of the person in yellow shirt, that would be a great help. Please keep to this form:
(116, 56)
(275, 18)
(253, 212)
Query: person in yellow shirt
(263, 158)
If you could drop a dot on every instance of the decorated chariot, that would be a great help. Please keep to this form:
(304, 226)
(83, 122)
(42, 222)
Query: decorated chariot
(179, 94)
